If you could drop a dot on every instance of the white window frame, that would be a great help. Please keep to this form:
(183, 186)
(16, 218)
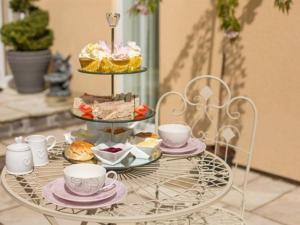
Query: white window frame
(2, 50)
(4, 76)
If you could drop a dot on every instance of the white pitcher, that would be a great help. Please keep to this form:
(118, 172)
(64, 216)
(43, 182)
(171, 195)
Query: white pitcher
(39, 147)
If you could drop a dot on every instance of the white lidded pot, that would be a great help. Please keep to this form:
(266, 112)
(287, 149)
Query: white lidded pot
(18, 159)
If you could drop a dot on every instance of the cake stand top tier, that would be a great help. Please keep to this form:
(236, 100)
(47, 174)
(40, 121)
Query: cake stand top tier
(141, 70)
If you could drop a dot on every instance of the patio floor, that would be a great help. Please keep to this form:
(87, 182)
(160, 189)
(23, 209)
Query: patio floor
(269, 201)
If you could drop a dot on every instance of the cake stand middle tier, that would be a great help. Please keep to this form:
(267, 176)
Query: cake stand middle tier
(77, 113)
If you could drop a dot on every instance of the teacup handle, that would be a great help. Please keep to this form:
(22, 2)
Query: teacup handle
(115, 176)
(53, 142)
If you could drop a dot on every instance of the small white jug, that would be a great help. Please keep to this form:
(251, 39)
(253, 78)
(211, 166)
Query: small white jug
(18, 159)
(39, 148)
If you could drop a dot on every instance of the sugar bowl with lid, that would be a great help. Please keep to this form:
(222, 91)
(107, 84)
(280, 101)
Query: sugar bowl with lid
(18, 159)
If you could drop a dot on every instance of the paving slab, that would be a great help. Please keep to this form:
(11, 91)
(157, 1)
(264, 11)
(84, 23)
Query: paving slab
(9, 114)
(285, 209)
(6, 201)
(6, 97)
(259, 192)
(239, 173)
(36, 106)
(24, 216)
(21, 215)
(13, 92)
(9, 95)
(253, 219)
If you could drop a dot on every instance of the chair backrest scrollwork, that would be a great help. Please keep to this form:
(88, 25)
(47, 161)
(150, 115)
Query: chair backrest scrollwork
(223, 113)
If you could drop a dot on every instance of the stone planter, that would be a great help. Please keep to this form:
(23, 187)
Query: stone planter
(29, 69)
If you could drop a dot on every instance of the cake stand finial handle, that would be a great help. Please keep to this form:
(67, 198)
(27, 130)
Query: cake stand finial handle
(112, 19)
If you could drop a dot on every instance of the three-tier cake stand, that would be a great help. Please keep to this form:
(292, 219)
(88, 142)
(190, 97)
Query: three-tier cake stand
(98, 124)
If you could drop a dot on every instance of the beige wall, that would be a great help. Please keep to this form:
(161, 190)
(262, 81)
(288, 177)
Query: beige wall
(75, 23)
(268, 57)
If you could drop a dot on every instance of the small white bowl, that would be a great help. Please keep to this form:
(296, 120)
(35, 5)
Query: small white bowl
(85, 179)
(110, 157)
(174, 135)
(147, 150)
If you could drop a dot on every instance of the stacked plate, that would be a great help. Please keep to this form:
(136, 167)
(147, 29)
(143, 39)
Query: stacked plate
(193, 147)
(58, 193)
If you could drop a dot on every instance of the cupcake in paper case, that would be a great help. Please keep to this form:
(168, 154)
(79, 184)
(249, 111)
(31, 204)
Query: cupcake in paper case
(92, 55)
(85, 62)
(134, 53)
(120, 60)
(93, 66)
(98, 58)
(135, 63)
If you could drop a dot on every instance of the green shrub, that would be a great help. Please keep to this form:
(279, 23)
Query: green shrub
(30, 33)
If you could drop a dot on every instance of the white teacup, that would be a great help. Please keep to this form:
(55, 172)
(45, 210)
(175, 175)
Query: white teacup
(174, 135)
(39, 147)
(18, 159)
(87, 179)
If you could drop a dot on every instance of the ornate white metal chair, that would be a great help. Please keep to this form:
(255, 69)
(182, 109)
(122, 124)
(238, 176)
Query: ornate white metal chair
(216, 120)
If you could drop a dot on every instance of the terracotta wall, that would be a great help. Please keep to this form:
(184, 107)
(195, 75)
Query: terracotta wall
(266, 66)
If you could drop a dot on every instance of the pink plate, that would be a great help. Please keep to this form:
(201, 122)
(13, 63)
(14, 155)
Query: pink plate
(192, 145)
(121, 192)
(60, 190)
(189, 154)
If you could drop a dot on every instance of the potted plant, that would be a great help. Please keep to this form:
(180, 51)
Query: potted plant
(28, 40)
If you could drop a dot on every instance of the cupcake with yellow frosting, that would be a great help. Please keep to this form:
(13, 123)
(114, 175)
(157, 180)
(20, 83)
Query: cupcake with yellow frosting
(134, 53)
(98, 58)
(92, 55)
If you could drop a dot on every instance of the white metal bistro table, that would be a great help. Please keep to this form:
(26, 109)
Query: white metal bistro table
(170, 187)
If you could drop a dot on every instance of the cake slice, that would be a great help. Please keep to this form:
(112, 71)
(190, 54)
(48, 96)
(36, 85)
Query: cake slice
(121, 106)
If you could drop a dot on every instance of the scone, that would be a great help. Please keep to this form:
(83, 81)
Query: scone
(80, 151)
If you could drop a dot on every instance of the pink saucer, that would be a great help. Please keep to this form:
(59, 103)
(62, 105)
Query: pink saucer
(120, 188)
(189, 154)
(192, 145)
(59, 189)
